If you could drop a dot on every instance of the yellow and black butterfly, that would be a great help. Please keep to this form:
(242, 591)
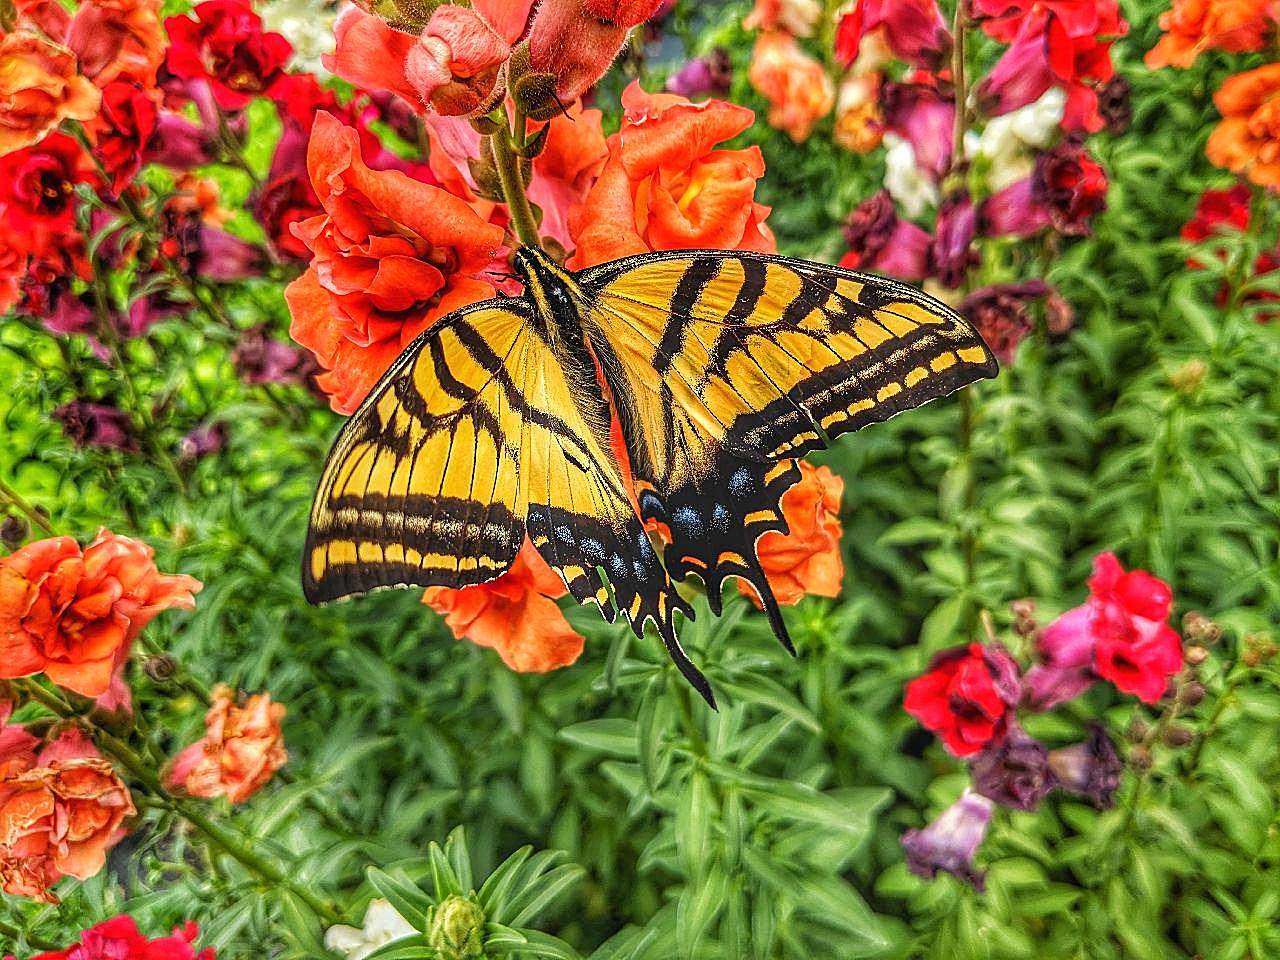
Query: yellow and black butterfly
(721, 367)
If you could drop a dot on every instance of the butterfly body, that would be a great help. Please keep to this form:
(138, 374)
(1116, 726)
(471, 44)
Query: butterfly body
(669, 390)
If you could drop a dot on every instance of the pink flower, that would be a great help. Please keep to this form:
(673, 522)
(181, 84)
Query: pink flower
(913, 29)
(924, 114)
(951, 253)
(879, 240)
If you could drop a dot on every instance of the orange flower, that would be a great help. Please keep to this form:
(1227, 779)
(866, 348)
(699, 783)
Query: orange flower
(796, 85)
(807, 559)
(389, 256)
(1194, 26)
(515, 614)
(665, 187)
(73, 614)
(59, 812)
(118, 40)
(859, 122)
(1247, 141)
(241, 749)
(567, 167)
(39, 88)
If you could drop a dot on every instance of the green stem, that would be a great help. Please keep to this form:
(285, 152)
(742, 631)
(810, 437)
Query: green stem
(684, 710)
(13, 934)
(10, 496)
(507, 165)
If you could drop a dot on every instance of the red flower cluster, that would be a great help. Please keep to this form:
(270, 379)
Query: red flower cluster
(120, 939)
(226, 47)
(1218, 215)
(967, 696)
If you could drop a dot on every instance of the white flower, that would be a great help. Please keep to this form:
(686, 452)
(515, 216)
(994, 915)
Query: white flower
(1006, 140)
(904, 180)
(382, 924)
(307, 25)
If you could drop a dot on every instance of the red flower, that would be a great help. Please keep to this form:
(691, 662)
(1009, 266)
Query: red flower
(38, 189)
(913, 29)
(120, 939)
(1003, 20)
(287, 197)
(241, 749)
(121, 130)
(389, 256)
(966, 697)
(1071, 186)
(227, 46)
(1218, 212)
(514, 614)
(879, 240)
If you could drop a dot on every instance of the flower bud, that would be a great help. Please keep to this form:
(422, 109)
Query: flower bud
(1188, 377)
(1137, 730)
(1200, 629)
(1196, 655)
(408, 16)
(457, 930)
(577, 40)
(13, 532)
(1140, 758)
(1192, 694)
(160, 668)
(1177, 736)
(1024, 616)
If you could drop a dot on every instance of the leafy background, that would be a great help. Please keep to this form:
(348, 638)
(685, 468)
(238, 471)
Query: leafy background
(768, 829)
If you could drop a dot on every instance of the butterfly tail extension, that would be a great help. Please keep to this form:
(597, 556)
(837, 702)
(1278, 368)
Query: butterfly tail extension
(714, 531)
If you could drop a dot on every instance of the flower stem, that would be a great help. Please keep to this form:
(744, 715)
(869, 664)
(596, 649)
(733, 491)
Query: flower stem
(12, 498)
(13, 933)
(507, 164)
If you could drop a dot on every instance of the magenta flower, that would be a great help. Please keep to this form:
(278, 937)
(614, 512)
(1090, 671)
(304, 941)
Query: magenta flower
(709, 76)
(924, 115)
(951, 253)
(951, 841)
(89, 424)
(203, 440)
(259, 358)
(913, 29)
(1013, 211)
(1001, 313)
(177, 143)
(879, 240)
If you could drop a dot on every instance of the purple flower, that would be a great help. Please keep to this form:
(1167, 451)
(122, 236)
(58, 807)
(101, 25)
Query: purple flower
(1013, 771)
(711, 75)
(224, 257)
(177, 143)
(1065, 650)
(879, 240)
(1089, 769)
(70, 314)
(1013, 211)
(951, 253)
(144, 312)
(924, 115)
(259, 359)
(97, 425)
(1001, 313)
(950, 842)
(203, 440)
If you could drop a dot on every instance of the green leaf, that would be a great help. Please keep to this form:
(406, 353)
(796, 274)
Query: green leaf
(614, 736)
(410, 900)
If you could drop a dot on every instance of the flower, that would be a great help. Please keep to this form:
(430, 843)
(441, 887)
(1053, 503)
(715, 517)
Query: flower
(1071, 186)
(572, 157)
(711, 75)
(178, 143)
(39, 88)
(1218, 212)
(89, 424)
(859, 122)
(912, 29)
(905, 180)
(389, 256)
(120, 939)
(226, 46)
(368, 53)
(1000, 313)
(382, 924)
(796, 85)
(1114, 105)
(514, 614)
(1194, 26)
(1247, 141)
(1089, 769)
(797, 17)
(951, 253)
(1006, 139)
(117, 40)
(259, 359)
(287, 197)
(665, 186)
(203, 440)
(879, 240)
(966, 696)
(1014, 770)
(924, 115)
(950, 842)
(309, 27)
(806, 559)
(60, 809)
(38, 189)
(1004, 20)
(120, 131)
(1065, 669)
(241, 749)
(72, 614)
(456, 62)
(575, 41)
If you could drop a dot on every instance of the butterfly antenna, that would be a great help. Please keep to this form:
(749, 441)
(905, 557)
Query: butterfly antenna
(503, 274)
(559, 103)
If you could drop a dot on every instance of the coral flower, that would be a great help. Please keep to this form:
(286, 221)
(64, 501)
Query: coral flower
(966, 697)
(226, 46)
(241, 749)
(73, 614)
(118, 40)
(566, 169)
(514, 614)
(1247, 141)
(796, 85)
(389, 256)
(120, 939)
(666, 187)
(575, 41)
(60, 809)
(1194, 26)
(40, 86)
(806, 559)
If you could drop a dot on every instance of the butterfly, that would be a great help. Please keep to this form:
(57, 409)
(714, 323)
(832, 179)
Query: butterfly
(672, 390)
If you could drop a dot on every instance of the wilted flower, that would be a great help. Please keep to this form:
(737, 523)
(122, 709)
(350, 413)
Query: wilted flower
(1194, 26)
(951, 253)
(382, 924)
(226, 46)
(805, 560)
(241, 749)
(795, 84)
(13, 531)
(72, 614)
(950, 842)
(120, 939)
(40, 86)
(1071, 186)
(1014, 770)
(879, 240)
(1247, 141)
(97, 425)
(1089, 769)
(966, 697)
(668, 186)
(514, 614)
(259, 358)
(1001, 314)
(711, 75)
(60, 809)
(1114, 105)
